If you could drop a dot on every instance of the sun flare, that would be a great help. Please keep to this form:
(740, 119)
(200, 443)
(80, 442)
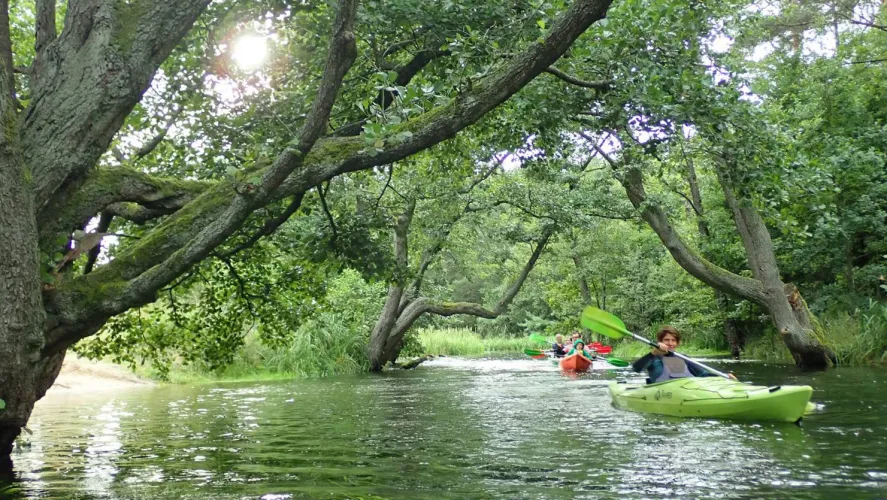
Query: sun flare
(250, 52)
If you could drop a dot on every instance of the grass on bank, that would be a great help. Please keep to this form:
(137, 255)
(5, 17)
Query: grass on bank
(329, 348)
(857, 339)
(464, 342)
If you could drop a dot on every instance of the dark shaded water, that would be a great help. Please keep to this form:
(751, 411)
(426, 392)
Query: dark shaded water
(449, 429)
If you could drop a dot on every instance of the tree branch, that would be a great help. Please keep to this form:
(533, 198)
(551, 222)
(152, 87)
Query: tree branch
(869, 24)
(385, 187)
(108, 187)
(341, 56)
(155, 141)
(45, 29)
(270, 226)
(596, 85)
(125, 282)
(689, 259)
(136, 213)
(424, 305)
(386, 98)
(76, 108)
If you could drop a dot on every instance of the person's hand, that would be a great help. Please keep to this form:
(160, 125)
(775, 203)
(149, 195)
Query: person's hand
(732, 377)
(662, 350)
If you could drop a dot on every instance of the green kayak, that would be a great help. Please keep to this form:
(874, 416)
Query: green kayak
(711, 397)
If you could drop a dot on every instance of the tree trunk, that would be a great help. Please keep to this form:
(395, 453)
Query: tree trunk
(788, 312)
(783, 301)
(379, 351)
(21, 306)
(583, 283)
(387, 337)
(735, 337)
(732, 331)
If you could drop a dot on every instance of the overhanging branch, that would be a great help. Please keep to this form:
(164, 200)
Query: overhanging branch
(112, 188)
(126, 283)
(424, 305)
(596, 85)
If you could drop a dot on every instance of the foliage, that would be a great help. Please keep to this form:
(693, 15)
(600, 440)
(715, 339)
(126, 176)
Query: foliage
(808, 131)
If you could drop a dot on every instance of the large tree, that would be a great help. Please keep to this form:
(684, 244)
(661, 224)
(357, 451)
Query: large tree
(81, 85)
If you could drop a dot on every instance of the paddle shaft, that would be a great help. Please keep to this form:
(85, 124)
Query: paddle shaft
(619, 363)
(685, 358)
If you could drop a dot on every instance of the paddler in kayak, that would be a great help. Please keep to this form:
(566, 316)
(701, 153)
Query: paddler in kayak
(558, 349)
(579, 347)
(661, 364)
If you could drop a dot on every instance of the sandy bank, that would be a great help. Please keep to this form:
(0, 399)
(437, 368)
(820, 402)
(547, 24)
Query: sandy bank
(79, 374)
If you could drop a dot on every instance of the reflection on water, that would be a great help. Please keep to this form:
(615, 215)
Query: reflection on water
(450, 429)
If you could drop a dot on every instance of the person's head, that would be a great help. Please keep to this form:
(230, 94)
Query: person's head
(559, 338)
(579, 345)
(669, 336)
(576, 335)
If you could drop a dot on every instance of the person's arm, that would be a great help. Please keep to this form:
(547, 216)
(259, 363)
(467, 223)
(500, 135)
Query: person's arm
(699, 371)
(642, 364)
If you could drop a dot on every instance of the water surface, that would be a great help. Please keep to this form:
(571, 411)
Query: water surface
(450, 429)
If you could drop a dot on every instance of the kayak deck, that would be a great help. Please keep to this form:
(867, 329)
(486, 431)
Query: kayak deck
(575, 362)
(710, 397)
(597, 364)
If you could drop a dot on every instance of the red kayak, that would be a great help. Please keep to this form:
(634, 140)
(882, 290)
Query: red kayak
(576, 363)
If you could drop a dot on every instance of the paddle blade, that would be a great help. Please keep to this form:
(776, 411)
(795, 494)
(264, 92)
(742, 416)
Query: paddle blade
(533, 352)
(621, 363)
(603, 322)
(535, 337)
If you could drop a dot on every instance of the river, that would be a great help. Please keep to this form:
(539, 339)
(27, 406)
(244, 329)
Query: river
(452, 428)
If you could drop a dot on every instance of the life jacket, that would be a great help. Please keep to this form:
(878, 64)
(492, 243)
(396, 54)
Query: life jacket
(673, 367)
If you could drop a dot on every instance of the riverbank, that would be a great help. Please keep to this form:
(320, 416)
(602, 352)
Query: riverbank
(84, 375)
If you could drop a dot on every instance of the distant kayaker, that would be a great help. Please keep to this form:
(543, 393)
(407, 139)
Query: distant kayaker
(573, 338)
(661, 364)
(579, 347)
(558, 348)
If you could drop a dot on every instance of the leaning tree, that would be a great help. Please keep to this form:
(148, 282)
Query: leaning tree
(62, 114)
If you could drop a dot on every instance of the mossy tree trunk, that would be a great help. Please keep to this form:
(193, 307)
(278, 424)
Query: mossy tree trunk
(732, 331)
(787, 309)
(401, 310)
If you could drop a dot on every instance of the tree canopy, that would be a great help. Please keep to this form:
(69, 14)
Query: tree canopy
(178, 177)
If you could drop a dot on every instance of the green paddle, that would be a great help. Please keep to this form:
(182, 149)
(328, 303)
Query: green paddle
(533, 353)
(611, 326)
(613, 361)
(535, 337)
(2, 404)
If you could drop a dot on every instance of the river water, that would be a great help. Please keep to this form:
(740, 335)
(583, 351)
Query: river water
(450, 429)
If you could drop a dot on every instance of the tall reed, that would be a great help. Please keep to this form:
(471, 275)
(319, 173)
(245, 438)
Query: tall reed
(464, 342)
